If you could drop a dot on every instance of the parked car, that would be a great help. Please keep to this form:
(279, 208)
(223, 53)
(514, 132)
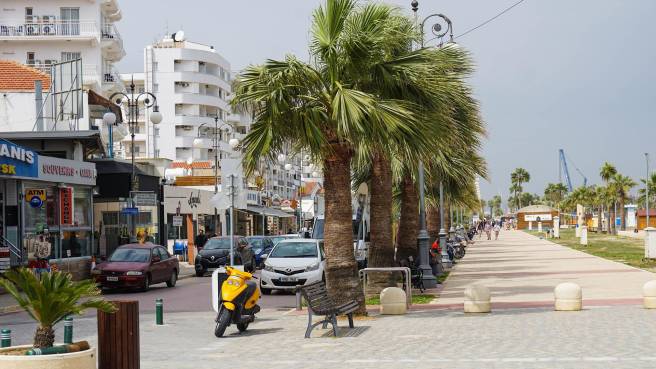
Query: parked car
(281, 237)
(261, 247)
(137, 266)
(291, 263)
(216, 253)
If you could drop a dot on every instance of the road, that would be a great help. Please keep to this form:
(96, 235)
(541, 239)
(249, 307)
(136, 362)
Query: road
(190, 295)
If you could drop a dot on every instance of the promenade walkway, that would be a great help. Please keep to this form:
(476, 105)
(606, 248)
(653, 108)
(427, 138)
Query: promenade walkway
(522, 270)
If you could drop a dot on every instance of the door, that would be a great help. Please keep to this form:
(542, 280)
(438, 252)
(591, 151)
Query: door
(168, 262)
(70, 19)
(157, 268)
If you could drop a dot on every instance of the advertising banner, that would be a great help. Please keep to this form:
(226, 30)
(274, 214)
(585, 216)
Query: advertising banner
(66, 205)
(18, 161)
(537, 217)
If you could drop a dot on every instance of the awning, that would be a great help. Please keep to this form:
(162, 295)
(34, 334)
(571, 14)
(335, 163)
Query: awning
(268, 211)
(96, 99)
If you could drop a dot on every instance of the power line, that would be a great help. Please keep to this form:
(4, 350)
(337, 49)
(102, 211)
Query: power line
(491, 19)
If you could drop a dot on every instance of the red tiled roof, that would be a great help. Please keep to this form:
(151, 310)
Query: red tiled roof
(642, 212)
(206, 164)
(18, 77)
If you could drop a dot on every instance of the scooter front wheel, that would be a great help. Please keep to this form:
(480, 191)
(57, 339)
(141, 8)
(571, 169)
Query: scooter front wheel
(222, 322)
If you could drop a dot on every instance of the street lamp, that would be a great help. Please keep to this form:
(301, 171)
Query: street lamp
(438, 31)
(199, 143)
(149, 100)
(647, 189)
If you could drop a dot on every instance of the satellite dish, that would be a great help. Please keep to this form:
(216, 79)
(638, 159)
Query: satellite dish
(178, 36)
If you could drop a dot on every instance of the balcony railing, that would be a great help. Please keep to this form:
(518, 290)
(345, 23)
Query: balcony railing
(109, 32)
(44, 28)
(89, 71)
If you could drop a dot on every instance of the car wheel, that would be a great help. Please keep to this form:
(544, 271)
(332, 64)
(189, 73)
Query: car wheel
(265, 291)
(200, 273)
(173, 280)
(146, 285)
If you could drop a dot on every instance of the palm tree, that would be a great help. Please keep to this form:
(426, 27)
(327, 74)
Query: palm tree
(326, 108)
(51, 298)
(622, 185)
(518, 177)
(607, 172)
(554, 193)
(514, 200)
(652, 190)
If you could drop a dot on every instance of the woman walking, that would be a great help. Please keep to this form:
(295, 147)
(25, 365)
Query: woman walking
(497, 228)
(488, 230)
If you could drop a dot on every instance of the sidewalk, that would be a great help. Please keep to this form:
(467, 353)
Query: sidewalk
(522, 270)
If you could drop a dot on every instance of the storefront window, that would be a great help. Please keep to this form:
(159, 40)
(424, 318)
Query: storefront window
(76, 243)
(39, 215)
(81, 205)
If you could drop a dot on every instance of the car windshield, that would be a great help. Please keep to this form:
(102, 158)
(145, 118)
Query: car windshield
(255, 243)
(275, 240)
(131, 255)
(295, 250)
(218, 243)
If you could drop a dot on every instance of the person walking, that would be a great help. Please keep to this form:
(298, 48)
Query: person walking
(497, 229)
(488, 230)
(200, 240)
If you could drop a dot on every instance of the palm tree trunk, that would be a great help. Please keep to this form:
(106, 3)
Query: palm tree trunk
(381, 248)
(409, 222)
(44, 337)
(341, 268)
(432, 221)
(599, 224)
(447, 217)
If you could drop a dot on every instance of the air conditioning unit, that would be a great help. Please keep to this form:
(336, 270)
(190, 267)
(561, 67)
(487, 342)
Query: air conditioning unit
(188, 128)
(48, 26)
(184, 84)
(50, 61)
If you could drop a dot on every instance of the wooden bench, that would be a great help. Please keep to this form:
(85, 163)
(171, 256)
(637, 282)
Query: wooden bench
(319, 303)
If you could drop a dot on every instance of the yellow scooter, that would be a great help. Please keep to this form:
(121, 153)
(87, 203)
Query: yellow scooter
(238, 301)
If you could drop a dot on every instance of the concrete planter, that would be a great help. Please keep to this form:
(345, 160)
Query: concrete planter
(74, 360)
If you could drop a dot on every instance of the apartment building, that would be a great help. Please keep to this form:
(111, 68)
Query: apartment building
(42, 33)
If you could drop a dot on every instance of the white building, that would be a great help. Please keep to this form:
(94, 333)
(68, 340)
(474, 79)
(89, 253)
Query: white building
(41, 33)
(191, 82)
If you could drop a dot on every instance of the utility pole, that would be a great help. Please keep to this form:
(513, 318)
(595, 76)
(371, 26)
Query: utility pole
(647, 190)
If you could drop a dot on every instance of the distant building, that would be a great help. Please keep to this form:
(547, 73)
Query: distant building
(534, 214)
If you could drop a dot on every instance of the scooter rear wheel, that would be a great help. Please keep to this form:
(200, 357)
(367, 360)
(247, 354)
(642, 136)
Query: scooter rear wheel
(242, 326)
(222, 322)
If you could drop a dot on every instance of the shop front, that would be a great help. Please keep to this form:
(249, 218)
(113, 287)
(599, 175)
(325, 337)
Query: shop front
(187, 211)
(45, 208)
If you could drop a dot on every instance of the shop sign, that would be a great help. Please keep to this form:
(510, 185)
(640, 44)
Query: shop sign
(130, 211)
(194, 200)
(144, 198)
(67, 171)
(536, 217)
(177, 220)
(17, 161)
(66, 205)
(36, 197)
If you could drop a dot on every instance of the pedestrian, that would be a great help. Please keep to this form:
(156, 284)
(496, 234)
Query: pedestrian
(200, 240)
(497, 228)
(488, 230)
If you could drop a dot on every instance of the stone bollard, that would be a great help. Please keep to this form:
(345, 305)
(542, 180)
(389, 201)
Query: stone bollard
(584, 236)
(556, 227)
(649, 294)
(650, 243)
(393, 301)
(477, 299)
(530, 226)
(539, 226)
(568, 297)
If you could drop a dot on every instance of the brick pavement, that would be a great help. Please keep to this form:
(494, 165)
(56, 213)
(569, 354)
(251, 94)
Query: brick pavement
(522, 270)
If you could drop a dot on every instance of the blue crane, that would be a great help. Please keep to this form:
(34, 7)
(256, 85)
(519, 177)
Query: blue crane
(563, 170)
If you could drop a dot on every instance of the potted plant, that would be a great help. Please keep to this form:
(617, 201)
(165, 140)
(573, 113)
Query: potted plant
(49, 299)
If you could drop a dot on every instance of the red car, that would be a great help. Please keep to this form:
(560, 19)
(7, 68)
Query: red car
(137, 266)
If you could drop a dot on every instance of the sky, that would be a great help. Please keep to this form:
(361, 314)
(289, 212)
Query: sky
(558, 74)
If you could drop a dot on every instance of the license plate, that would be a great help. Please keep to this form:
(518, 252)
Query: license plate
(288, 279)
(112, 279)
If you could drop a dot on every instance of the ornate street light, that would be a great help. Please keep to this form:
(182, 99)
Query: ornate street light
(439, 29)
(149, 100)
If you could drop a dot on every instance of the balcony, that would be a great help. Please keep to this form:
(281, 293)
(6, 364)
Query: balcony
(112, 82)
(47, 28)
(112, 43)
(193, 120)
(111, 10)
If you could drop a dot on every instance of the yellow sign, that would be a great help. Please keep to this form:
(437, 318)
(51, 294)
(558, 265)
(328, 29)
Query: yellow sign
(36, 197)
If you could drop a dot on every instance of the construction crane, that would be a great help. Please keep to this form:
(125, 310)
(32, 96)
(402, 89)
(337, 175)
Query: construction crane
(562, 169)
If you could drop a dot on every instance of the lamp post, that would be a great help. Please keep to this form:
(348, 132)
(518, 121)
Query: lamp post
(422, 238)
(198, 143)
(109, 118)
(647, 190)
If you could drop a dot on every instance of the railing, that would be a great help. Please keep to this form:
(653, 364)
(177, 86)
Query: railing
(13, 250)
(47, 28)
(109, 32)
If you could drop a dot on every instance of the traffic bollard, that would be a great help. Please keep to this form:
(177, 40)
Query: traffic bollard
(5, 338)
(159, 312)
(68, 330)
(299, 298)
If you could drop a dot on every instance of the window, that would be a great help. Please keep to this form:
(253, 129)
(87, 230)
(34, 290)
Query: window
(70, 18)
(155, 66)
(70, 55)
(155, 88)
(30, 58)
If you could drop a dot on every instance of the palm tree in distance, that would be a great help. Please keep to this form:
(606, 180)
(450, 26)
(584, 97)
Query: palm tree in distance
(622, 185)
(607, 172)
(518, 177)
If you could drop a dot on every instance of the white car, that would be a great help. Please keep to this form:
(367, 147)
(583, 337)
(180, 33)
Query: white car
(291, 263)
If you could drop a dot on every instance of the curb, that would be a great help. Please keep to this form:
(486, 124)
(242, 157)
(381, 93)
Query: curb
(10, 309)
